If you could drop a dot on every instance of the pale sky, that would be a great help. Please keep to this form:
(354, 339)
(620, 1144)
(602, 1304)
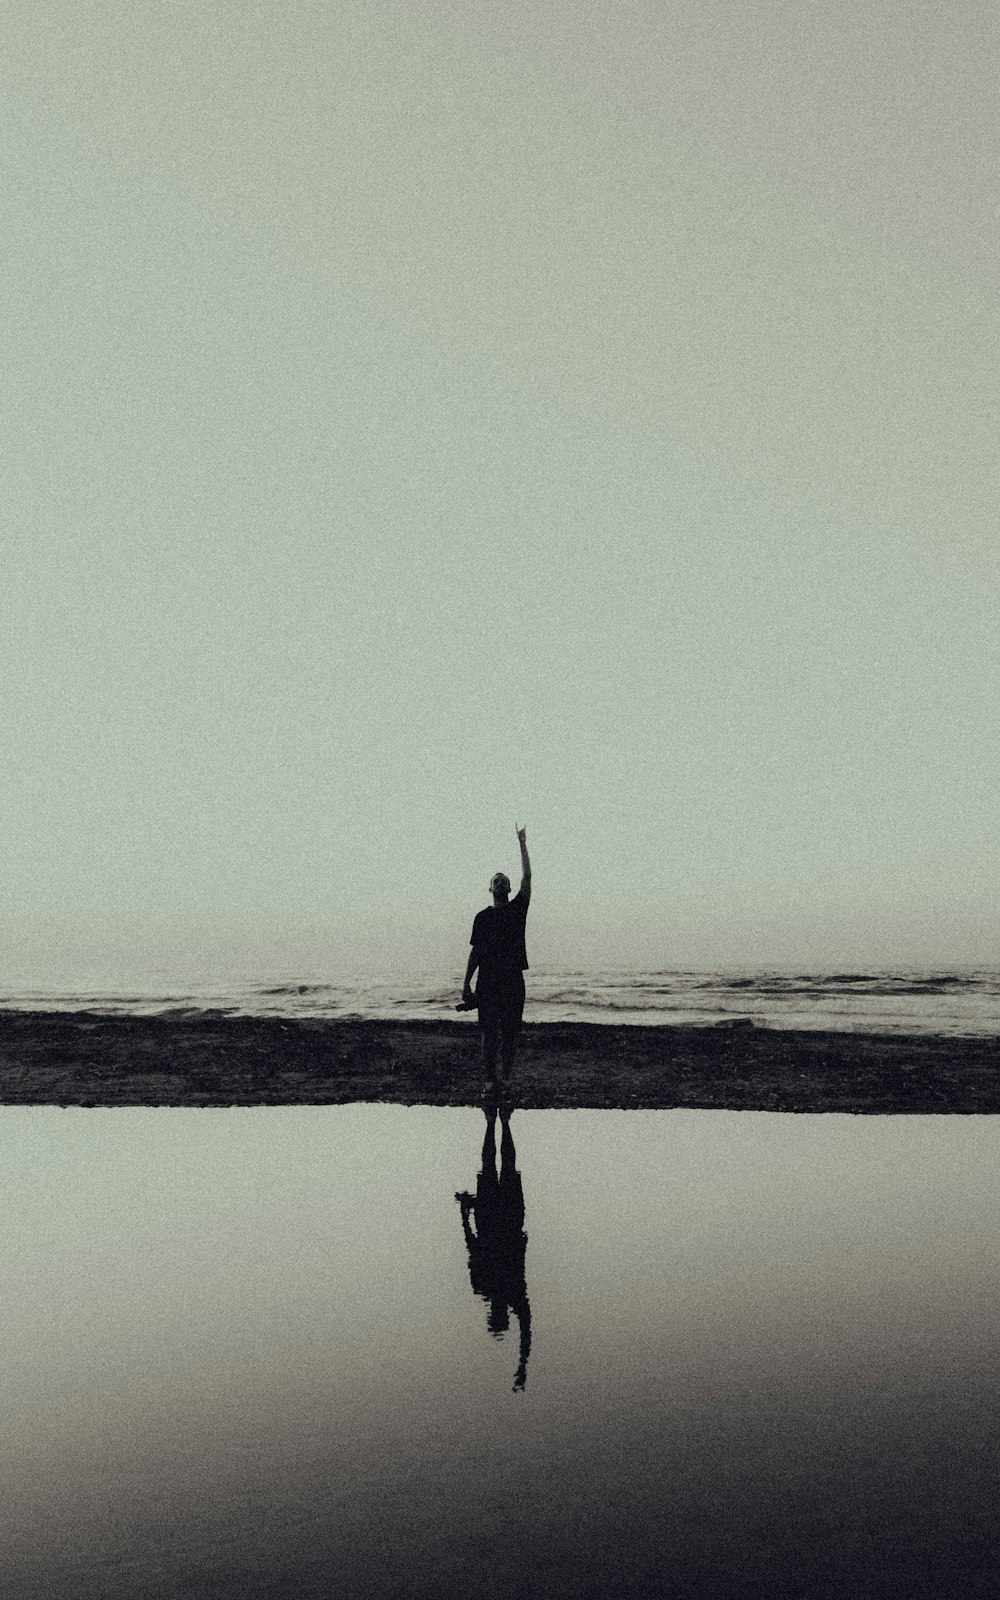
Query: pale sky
(422, 416)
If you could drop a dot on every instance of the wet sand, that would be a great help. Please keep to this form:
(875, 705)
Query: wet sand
(210, 1059)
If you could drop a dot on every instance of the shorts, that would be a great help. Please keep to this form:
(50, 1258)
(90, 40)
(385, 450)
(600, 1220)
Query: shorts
(501, 1007)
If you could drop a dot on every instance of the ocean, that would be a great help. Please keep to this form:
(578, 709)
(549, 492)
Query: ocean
(945, 1003)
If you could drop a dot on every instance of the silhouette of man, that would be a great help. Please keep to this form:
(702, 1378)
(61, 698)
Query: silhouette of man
(497, 1247)
(498, 951)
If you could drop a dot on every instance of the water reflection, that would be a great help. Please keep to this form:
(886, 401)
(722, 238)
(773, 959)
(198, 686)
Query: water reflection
(493, 1223)
(769, 1364)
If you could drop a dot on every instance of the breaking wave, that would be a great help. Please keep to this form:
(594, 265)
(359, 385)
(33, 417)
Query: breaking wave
(924, 1002)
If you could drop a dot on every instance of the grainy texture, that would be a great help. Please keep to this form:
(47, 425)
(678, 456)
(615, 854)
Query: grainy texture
(210, 1059)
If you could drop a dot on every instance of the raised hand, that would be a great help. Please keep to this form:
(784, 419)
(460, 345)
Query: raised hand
(522, 839)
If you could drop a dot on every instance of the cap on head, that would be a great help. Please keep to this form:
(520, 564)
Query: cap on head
(499, 883)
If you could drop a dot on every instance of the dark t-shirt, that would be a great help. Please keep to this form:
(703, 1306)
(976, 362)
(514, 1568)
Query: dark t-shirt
(498, 936)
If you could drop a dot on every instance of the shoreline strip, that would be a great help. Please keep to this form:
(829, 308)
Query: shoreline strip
(212, 1059)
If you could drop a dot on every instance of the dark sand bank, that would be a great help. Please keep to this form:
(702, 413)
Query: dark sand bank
(86, 1059)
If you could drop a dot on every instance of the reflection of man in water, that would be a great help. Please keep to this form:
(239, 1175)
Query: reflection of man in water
(499, 953)
(496, 1248)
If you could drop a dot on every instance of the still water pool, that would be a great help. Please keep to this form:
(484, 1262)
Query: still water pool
(307, 1351)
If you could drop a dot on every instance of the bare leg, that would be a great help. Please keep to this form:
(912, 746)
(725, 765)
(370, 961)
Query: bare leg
(508, 1050)
(489, 1159)
(490, 1053)
(508, 1155)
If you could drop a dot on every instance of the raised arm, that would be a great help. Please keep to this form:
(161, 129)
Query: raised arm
(522, 839)
(522, 1312)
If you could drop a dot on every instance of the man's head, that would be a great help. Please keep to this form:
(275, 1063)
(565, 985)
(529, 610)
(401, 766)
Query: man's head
(500, 886)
